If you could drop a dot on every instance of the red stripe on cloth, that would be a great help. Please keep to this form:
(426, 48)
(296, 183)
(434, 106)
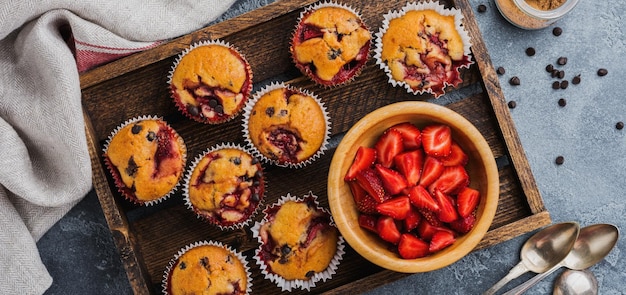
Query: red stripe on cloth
(86, 59)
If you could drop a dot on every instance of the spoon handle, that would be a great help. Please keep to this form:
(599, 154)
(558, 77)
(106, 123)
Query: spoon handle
(533, 281)
(515, 272)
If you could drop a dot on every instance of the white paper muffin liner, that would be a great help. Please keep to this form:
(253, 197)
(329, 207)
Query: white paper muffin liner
(185, 52)
(187, 181)
(113, 173)
(169, 267)
(289, 285)
(316, 6)
(247, 112)
(427, 5)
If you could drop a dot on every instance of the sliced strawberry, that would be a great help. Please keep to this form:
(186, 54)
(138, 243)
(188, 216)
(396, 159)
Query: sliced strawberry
(411, 135)
(467, 200)
(410, 164)
(451, 181)
(457, 156)
(464, 224)
(398, 207)
(412, 220)
(411, 247)
(447, 211)
(431, 217)
(364, 202)
(436, 140)
(441, 240)
(420, 198)
(365, 157)
(368, 222)
(393, 181)
(388, 146)
(371, 183)
(426, 230)
(431, 171)
(387, 229)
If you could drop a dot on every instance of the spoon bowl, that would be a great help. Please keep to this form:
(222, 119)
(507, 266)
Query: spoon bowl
(542, 251)
(594, 242)
(576, 282)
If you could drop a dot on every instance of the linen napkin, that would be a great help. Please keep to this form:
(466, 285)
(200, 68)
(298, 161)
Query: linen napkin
(44, 162)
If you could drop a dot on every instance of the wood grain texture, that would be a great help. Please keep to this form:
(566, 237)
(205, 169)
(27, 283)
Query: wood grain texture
(148, 238)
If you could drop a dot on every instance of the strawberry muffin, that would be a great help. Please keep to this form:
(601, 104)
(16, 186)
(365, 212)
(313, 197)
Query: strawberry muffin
(146, 158)
(286, 126)
(422, 47)
(225, 186)
(330, 44)
(210, 82)
(299, 243)
(207, 268)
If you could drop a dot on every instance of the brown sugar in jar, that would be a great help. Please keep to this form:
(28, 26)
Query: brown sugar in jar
(534, 14)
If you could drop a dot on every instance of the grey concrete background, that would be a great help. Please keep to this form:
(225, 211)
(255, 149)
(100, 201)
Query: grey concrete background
(588, 188)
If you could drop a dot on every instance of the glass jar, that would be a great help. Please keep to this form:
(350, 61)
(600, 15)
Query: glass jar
(525, 16)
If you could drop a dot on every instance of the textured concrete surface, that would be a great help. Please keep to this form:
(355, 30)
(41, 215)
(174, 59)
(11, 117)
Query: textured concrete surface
(587, 188)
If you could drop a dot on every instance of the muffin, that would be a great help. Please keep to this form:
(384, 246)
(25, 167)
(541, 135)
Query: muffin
(422, 47)
(299, 243)
(207, 268)
(286, 126)
(225, 186)
(146, 158)
(330, 44)
(210, 82)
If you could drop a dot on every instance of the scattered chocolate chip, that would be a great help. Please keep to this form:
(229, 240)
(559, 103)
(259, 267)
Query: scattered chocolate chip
(559, 160)
(193, 110)
(283, 113)
(576, 80)
(514, 81)
(182, 265)
(512, 104)
(555, 73)
(561, 74)
(136, 129)
(564, 84)
(482, 8)
(619, 125)
(236, 160)
(283, 260)
(213, 102)
(562, 60)
(602, 72)
(549, 68)
(562, 102)
(254, 161)
(309, 273)
(530, 51)
(269, 111)
(255, 196)
(557, 31)
(500, 71)
(132, 167)
(556, 85)
(151, 136)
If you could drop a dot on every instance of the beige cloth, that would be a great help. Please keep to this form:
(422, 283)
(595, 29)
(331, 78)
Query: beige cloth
(44, 162)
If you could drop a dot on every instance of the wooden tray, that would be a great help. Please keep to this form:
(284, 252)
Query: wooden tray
(147, 238)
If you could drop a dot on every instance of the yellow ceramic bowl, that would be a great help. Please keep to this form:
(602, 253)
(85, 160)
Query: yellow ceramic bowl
(481, 168)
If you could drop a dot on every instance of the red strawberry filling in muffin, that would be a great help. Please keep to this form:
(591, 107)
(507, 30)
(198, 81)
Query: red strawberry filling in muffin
(331, 45)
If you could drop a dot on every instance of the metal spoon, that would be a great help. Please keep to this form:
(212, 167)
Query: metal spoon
(593, 244)
(542, 251)
(576, 282)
